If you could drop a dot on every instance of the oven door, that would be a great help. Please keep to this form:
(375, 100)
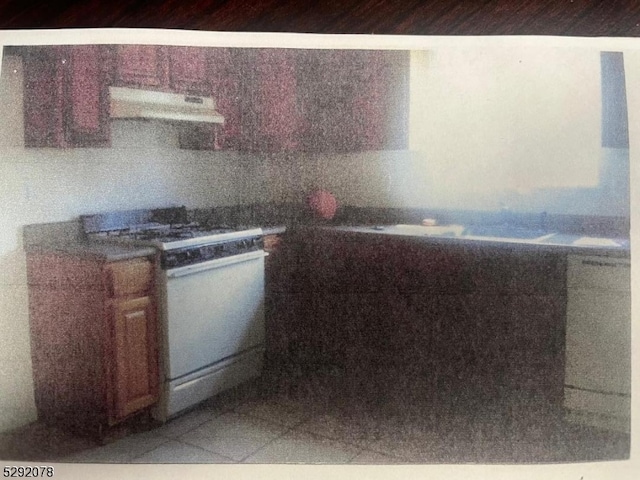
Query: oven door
(214, 310)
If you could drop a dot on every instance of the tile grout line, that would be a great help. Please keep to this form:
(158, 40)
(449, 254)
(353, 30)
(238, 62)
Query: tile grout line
(184, 442)
(285, 432)
(168, 439)
(252, 453)
(358, 449)
(165, 440)
(194, 446)
(362, 448)
(196, 426)
(273, 422)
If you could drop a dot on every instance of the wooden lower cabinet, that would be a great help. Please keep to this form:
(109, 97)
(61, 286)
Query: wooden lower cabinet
(136, 372)
(93, 340)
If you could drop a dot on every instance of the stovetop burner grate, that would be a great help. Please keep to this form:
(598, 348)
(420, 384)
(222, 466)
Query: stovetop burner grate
(165, 233)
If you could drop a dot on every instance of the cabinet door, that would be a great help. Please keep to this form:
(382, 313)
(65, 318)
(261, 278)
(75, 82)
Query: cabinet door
(136, 369)
(269, 115)
(353, 100)
(324, 99)
(224, 77)
(66, 96)
(275, 102)
(44, 96)
(141, 66)
(87, 105)
(379, 105)
(188, 69)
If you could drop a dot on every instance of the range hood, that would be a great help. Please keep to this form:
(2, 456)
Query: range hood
(136, 103)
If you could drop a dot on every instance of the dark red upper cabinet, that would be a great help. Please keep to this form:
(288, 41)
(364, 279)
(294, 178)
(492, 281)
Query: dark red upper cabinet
(142, 66)
(87, 113)
(326, 96)
(225, 69)
(66, 96)
(188, 70)
(272, 99)
(255, 91)
(44, 72)
(270, 117)
(224, 75)
(353, 100)
(370, 104)
(175, 69)
(276, 112)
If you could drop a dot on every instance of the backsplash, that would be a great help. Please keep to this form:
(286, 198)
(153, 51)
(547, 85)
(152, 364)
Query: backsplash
(296, 214)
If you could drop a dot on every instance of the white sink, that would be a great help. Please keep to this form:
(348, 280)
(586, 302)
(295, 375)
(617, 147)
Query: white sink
(436, 231)
(595, 242)
(501, 233)
(497, 233)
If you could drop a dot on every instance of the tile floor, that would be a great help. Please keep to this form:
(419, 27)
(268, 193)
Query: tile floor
(312, 422)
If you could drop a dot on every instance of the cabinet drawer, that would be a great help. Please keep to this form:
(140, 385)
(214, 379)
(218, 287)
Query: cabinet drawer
(130, 277)
(272, 243)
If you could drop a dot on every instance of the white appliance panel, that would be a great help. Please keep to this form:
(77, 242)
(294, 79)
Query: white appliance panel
(206, 383)
(598, 342)
(214, 312)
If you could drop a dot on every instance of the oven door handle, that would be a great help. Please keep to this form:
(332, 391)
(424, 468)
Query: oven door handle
(216, 263)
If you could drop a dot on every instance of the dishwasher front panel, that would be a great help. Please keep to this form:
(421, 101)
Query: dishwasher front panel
(598, 341)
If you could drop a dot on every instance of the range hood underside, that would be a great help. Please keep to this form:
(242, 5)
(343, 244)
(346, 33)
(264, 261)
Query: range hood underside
(143, 104)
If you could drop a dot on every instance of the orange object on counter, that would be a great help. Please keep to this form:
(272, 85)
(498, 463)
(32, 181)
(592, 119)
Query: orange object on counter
(323, 204)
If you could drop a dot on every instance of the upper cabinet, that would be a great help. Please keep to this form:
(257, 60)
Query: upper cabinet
(44, 69)
(256, 92)
(272, 99)
(188, 70)
(270, 115)
(65, 96)
(353, 100)
(175, 69)
(224, 72)
(141, 66)
(218, 73)
(88, 112)
(324, 101)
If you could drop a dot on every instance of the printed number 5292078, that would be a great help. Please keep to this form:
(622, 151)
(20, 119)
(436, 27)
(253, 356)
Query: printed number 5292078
(28, 471)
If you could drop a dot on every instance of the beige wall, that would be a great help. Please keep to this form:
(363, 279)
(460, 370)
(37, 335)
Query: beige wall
(142, 169)
(488, 128)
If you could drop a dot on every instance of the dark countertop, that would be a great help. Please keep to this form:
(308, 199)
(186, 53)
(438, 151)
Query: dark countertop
(68, 237)
(274, 230)
(107, 252)
(564, 243)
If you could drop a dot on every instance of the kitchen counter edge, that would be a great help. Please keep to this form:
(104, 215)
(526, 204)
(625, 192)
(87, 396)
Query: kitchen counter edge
(617, 252)
(100, 251)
